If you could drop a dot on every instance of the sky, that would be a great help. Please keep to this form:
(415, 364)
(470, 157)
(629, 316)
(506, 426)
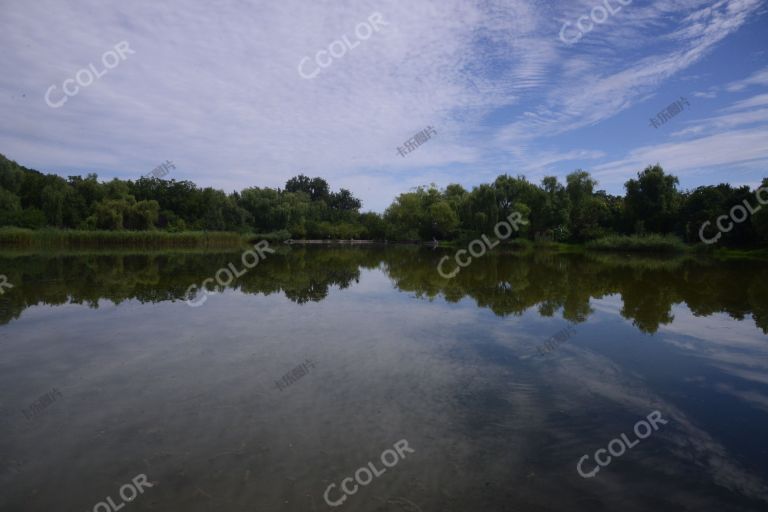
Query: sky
(236, 94)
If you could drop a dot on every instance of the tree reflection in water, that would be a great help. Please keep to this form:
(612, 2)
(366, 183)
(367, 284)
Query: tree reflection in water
(506, 282)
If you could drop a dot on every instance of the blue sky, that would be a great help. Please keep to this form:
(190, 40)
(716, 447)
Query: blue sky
(216, 88)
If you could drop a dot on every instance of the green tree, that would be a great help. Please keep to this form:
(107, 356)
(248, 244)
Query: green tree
(556, 211)
(652, 201)
(443, 219)
(759, 220)
(405, 217)
(586, 209)
(10, 208)
(316, 188)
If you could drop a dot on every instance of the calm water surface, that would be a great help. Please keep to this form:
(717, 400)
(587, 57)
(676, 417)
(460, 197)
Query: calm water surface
(498, 413)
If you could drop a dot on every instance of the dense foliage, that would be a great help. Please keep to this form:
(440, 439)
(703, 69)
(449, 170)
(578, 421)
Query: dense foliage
(306, 208)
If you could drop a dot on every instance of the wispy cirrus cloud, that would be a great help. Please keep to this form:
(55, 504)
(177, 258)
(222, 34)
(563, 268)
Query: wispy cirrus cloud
(726, 148)
(759, 78)
(216, 88)
(595, 92)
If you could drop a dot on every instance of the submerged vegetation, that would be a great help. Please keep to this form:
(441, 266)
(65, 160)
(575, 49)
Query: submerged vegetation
(654, 215)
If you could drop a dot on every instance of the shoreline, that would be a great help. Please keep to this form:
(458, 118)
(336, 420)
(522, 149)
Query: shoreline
(16, 240)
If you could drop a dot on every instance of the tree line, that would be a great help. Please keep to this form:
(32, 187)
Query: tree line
(574, 211)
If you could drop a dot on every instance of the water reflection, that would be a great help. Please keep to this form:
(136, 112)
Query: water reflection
(188, 396)
(506, 283)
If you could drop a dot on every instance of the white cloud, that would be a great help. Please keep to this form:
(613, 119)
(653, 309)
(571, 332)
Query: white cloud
(680, 158)
(217, 90)
(595, 92)
(734, 138)
(758, 78)
(759, 100)
(726, 121)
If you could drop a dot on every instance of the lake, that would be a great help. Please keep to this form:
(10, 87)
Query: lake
(358, 378)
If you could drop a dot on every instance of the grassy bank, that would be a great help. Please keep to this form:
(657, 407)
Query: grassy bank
(273, 237)
(634, 243)
(614, 243)
(73, 239)
(18, 239)
(661, 244)
(723, 253)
